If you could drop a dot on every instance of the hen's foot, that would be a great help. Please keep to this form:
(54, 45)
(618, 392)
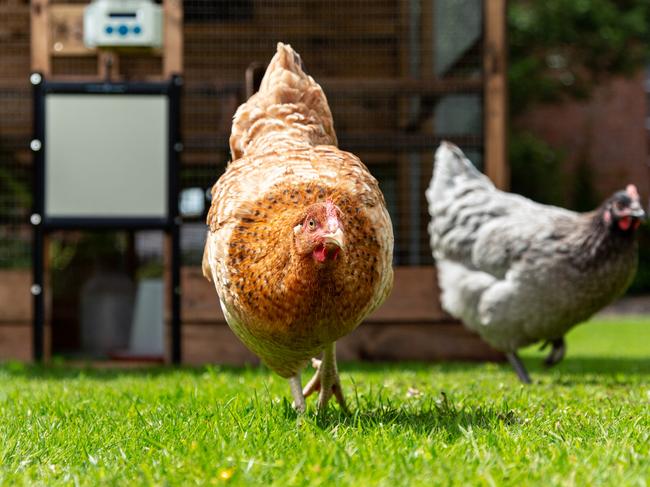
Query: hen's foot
(326, 380)
(558, 349)
(519, 367)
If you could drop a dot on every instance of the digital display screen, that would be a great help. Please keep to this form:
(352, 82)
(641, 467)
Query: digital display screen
(122, 15)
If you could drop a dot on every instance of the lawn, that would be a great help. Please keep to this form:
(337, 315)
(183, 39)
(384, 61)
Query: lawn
(586, 422)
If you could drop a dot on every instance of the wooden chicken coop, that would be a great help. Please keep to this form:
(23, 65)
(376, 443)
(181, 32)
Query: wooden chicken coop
(400, 75)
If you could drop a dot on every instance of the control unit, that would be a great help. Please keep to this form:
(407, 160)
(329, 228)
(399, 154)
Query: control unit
(117, 23)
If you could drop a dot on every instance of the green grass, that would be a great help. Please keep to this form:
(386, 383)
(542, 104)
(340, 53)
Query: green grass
(586, 422)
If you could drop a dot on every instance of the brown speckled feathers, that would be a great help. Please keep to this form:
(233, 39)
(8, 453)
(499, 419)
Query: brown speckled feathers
(281, 306)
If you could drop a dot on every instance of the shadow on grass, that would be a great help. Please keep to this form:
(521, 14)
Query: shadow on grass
(429, 415)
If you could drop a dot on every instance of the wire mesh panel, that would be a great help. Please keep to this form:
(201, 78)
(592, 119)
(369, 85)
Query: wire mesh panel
(400, 75)
(15, 131)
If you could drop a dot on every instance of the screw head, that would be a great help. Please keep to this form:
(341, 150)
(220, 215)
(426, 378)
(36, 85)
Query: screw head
(35, 145)
(178, 81)
(178, 146)
(35, 289)
(35, 79)
(35, 219)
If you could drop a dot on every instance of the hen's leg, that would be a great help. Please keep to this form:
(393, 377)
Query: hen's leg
(557, 351)
(314, 383)
(518, 365)
(326, 379)
(296, 392)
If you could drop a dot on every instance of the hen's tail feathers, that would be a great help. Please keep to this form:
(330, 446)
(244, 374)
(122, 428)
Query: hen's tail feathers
(452, 166)
(289, 107)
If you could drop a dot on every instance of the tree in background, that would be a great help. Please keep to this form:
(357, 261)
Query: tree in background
(561, 50)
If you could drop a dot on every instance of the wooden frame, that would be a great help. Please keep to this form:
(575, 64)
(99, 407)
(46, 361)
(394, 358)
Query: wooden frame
(43, 48)
(495, 92)
(40, 45)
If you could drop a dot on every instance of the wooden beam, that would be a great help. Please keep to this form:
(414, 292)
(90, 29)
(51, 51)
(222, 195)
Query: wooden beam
(40, 37)
(366, 87)
(66, 30)
(16, 341)
(495, 92)
(173, 38)
(15, 298)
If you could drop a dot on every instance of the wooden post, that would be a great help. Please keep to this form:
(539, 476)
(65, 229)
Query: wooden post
(40, 48)
(495, 92)
(172, 38)
(172, 65)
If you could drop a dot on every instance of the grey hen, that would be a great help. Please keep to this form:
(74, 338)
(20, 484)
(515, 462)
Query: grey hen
(518, 272)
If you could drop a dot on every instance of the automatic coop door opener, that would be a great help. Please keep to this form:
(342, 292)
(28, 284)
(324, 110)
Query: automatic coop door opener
(123, 23)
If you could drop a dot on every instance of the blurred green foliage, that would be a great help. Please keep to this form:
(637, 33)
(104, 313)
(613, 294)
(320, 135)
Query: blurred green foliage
(15, 203)
(15, 192)
(563, 48)
(535, 168)
(560, 50)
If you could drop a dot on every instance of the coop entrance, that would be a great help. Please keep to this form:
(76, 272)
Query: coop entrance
(105, 156)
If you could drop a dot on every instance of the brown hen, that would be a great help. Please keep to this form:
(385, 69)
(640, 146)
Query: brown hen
(300, 243)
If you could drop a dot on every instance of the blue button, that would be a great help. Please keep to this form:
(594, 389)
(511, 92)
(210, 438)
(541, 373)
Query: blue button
(137, 29)
(123, 30)
(109, 29)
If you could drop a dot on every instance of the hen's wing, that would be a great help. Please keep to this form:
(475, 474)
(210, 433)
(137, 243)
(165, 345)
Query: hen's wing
(480, 227)
(481, 239)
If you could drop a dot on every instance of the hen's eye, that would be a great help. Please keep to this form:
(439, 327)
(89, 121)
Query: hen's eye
(311, 223)
(619, 205)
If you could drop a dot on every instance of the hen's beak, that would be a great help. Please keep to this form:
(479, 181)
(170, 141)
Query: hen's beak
(335, 238)
(636, 211)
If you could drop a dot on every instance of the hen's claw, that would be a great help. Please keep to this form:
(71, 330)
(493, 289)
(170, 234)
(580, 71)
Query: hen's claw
(557, 351)
(326, 380)
(314, 383)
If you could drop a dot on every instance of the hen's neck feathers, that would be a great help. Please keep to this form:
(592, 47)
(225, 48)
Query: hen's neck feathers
(599, 240)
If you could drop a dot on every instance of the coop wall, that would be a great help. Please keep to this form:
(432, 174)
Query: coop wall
(399, 75)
